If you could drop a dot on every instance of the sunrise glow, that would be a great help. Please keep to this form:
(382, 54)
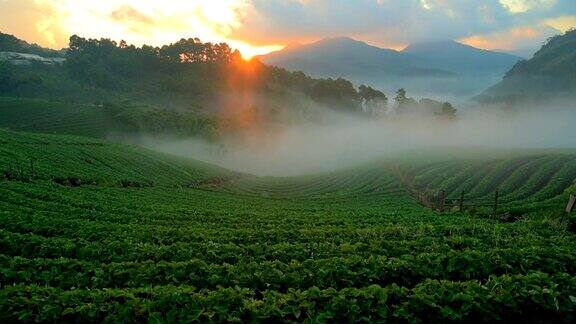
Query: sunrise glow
(260, 27)
(149, 22)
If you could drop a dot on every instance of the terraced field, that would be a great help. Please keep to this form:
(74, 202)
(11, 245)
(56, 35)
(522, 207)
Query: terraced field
(82, 160)
(532, 181)
(44, 116)
(137, 236)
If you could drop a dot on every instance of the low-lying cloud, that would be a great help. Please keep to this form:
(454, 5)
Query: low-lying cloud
(343, 141)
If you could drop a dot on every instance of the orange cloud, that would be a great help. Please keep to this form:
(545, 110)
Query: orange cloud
(26, 20)
(51, 22)
(562, 23)
(507, 40)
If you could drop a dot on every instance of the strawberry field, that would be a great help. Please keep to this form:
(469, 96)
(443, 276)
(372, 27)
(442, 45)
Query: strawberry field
(92, 231)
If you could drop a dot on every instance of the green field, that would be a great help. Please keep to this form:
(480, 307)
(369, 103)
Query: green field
(95, 231)
(44, 116)
(526, 180)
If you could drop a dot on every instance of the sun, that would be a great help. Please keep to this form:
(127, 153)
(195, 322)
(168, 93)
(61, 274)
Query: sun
(150, 22)
(249, 51)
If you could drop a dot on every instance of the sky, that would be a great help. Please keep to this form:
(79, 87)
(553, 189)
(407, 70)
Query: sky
(261, 26)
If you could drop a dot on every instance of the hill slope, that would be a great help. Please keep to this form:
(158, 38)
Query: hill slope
(551, 72)
(9, 43)
(77, 161)
(44, 116)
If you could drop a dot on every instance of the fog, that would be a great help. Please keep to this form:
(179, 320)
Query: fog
(339, 141)
(454, 88)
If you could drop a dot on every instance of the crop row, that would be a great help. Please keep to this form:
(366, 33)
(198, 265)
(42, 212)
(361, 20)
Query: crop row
(376, 181)
(337, 272)
(532, 178)
(29, 245)
(531, 298)
(43, 157)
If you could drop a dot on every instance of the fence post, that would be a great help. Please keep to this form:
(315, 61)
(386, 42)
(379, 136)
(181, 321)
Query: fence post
(495, 202)
(571, 204)
(461, 203)
(442, 201)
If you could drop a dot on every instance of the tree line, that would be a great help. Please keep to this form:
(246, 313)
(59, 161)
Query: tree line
(189, 76)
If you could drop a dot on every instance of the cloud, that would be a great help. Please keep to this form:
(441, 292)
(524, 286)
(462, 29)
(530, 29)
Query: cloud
(521, 40)
(562, 23)
(150, 21)
(27, 19)
(521, 6)
(389, 22)
(127, 14)
(261, 25)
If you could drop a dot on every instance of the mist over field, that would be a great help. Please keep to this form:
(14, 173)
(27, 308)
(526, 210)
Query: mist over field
(340, 141)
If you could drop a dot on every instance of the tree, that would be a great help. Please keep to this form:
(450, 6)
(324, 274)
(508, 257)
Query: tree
(373, 100)
(403, 102)
(400, 97)
(339, 93)
(192, 50)
(6, 78)
(448, 111)
(9, 43)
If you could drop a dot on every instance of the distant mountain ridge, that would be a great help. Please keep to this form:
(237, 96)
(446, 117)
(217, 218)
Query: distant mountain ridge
(442, 67)
(347, 56)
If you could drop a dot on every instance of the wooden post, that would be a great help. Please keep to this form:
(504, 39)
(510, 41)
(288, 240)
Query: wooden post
(571, 204)
(461, 203)
(495, 202)
(442, 201)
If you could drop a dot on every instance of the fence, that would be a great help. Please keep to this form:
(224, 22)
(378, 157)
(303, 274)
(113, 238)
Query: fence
(464, 202)
(441, 202)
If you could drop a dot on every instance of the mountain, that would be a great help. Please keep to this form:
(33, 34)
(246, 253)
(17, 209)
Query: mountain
(551, 72)
(462, 59)
(346, 57)
(438, 69)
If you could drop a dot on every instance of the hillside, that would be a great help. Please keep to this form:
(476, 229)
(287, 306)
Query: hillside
(99, 232)
(100, 120)
(9, 43)
(437, 69)
(80, 161)
(525, 180)
(550, 74)
(52, 117)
